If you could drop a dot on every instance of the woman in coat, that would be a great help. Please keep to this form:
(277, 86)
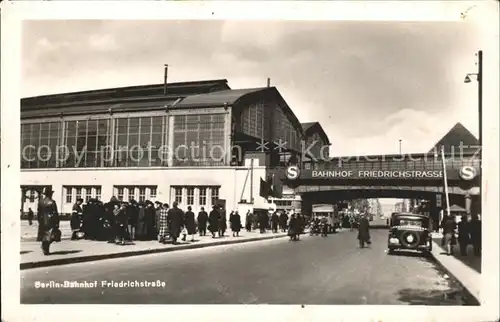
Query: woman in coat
(213, 221)
(363, 231)
(141, 230)
(235, 221)
(190, 223)
(463, 235)
(294, 228)
(163, 224)
(449, 226)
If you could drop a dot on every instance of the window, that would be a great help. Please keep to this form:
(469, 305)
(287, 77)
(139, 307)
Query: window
(78, 193)
(90, 139)
(131, 193)
(138, 141)
(98, 193)
(142, 194)
(139, 193)
(68, 191)
(88, 194)
(73, 193)
(215, 195)
(39, 142)
(199, 140)
(203, 196)
(119, 193)
(152, 192)
(178, 195)
(190, 195)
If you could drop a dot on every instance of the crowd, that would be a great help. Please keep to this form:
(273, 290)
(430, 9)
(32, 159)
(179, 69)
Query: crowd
(469, 233)
(120, 222)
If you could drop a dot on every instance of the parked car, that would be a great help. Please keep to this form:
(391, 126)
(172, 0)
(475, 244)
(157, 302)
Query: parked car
(409, 232)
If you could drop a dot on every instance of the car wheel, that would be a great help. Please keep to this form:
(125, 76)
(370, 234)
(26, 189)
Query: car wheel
(390, 251)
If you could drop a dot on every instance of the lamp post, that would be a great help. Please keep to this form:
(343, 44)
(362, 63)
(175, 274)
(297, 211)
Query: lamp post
(400, 146)
(479, 78)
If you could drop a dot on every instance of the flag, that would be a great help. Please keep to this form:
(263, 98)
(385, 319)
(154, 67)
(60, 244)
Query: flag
(264, 189)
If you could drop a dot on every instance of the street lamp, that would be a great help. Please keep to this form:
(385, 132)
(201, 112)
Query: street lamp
(400, 146)
(479, 77)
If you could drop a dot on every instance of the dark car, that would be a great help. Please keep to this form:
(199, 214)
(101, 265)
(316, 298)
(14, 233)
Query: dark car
(409, 232)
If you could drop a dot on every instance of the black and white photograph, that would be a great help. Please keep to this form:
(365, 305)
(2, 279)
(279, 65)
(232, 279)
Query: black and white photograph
(222, 160)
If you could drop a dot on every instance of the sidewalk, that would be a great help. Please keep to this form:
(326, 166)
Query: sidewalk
(77, 251)
(466, 269)
(29, 233)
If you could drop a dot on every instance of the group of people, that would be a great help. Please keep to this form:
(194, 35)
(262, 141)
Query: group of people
(263, 221)
(469, 233)
(119, 222)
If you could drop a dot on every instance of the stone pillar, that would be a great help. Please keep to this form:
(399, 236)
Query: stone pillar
(468, 203)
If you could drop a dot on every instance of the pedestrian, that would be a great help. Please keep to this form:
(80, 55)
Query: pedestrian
(449, 226)
(352, 220)
(274, 222)
(235, 221)
(141, 229)
(175, 218)
(222, 222)
(120, 223)
(157, 217)
(30, 217)
(132, 216)
(248, 221)
(364, 231)
(213, 221)
(463, 235)
(150, 220)
(47, 211)
(283, 221)
(263, 221)
(163, 224)
(293, 228)
(202, 222)
(475, 234)
(190, 223)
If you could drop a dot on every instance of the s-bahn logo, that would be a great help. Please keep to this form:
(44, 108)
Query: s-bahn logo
(467, 173)
(292, 172)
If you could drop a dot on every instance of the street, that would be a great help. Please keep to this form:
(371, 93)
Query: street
(314, 270)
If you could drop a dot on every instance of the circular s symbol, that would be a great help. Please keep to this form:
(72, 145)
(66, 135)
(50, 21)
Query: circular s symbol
(467, 172)
(292, 172)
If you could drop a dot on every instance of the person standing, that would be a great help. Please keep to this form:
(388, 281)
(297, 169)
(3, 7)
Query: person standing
(222, 222)
(263, 221)
(463, 235)
(190, 223)
(235, 221)
(213, 221)
(47, 211)
(30, 217)
(475, 234)
(274, 222)
(132, 215)
(364, 231)
(248, 221)
(283, 221)
(120, 223)
(76, 219)
(141, 230)
(175, 222)
(202, 222)
(449, 226)
(163, 224)
(294, 228)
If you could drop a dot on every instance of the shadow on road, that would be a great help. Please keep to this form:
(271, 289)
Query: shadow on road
(25, 252)
(433, 297)
(65, 252)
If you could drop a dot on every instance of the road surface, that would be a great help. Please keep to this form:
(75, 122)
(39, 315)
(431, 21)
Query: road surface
(315, 270)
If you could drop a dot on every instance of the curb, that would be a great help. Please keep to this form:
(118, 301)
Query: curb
(449, 273)
(90, 258)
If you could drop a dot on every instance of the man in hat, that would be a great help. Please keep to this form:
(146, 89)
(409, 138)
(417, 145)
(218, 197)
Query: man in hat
(175, 222)
(47, 210)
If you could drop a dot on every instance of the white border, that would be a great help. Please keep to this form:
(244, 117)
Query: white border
(12, 14)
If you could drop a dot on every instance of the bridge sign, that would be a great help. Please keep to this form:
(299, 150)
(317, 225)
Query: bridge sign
(467, 173)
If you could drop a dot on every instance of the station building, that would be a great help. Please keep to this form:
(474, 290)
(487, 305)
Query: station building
(198, 143)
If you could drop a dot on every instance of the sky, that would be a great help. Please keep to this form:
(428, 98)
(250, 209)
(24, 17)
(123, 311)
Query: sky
(369, 84)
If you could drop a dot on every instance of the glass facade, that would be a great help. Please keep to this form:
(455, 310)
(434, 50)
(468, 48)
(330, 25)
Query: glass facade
(198, 140)
(39, 142)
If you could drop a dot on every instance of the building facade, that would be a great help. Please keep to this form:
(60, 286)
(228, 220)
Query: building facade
(196, 143)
